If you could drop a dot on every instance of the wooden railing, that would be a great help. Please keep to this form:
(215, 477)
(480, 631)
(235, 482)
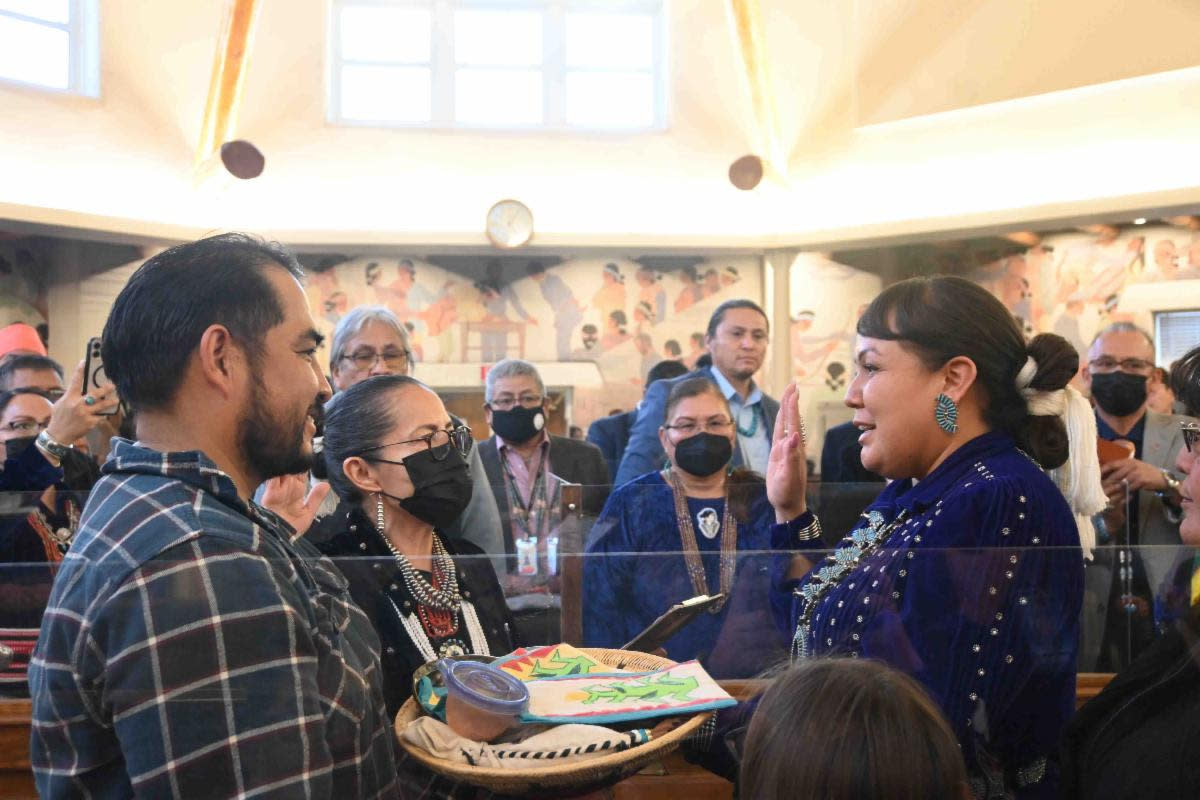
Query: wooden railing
(664, 780)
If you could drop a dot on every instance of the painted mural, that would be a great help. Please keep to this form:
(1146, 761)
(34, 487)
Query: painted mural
(622, 315)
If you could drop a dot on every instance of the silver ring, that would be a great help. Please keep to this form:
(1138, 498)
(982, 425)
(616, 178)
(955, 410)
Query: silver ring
(91, 401)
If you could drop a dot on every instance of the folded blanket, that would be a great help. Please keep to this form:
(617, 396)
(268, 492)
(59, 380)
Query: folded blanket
(538, 747)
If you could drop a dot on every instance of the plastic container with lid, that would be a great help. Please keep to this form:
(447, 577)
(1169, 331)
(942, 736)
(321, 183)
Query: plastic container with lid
(482, 701)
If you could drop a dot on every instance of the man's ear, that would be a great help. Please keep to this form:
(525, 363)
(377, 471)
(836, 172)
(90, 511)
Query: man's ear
(222, 361)
(358, 473)
(960, 374)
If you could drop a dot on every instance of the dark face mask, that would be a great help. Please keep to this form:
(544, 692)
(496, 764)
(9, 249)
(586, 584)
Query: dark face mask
(703, 454)
(14, 447)
(518, 424)
(442, 489)
(1119, 393)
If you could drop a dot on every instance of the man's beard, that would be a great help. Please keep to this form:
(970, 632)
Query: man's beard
(268, 444)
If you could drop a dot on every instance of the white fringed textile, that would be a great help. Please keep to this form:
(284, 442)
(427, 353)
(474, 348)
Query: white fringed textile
(1079, 478)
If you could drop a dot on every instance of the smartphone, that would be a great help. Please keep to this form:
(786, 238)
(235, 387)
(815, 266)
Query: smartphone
(94, 376)
(673, 620)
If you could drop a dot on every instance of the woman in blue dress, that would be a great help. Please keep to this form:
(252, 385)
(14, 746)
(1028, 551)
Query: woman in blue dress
(966, 573)
(693, 528)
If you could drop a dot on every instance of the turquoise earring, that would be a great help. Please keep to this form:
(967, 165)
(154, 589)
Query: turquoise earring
(946, 413)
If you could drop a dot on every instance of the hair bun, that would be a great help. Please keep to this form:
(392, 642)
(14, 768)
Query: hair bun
(1056, 359)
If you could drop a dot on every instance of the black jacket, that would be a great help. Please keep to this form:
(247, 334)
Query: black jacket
(1140, 737)
(376, 583)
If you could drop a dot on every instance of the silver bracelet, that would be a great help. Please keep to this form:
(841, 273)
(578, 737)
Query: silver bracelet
(810, 532)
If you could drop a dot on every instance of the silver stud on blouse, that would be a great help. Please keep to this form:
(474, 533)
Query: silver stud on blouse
(999, 616)
(977, 648)
(903, 573)
(973, 697)
(1012, 559)
(1008, 574)
(992, 590)
(895, 595)
(1036, 540)
(362, 545)
(859, 618)
(854, 636)
(981, 672)
(1021, 498)
(1008, 659)
(995, 632)
(1023, 601)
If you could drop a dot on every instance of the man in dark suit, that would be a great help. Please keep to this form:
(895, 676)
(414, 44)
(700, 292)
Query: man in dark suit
(526, 466)
(611, 433)
(737, 337)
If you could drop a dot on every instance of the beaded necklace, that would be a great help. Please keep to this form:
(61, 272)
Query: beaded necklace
(754, 409)
(691, 550)
(861, 543)
(439, 603)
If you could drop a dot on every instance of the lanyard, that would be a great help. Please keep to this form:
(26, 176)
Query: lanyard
(521, 512)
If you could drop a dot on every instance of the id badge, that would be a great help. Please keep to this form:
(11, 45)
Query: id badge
(552, 555)
(527, 556)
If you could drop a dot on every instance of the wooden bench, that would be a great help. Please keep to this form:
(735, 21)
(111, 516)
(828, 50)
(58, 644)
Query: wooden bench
(671, 778)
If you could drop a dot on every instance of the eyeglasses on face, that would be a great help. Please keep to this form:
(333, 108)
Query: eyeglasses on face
(26, 426)
(1191, 435)
(505, 402)
(438, 443)
(689, 427)
(366, 358)
(1138, 366)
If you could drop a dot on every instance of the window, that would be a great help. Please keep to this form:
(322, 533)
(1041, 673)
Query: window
(558, 64)
(1175, 332)
(51, 44)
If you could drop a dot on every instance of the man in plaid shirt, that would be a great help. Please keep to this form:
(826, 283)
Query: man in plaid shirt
(192, 646)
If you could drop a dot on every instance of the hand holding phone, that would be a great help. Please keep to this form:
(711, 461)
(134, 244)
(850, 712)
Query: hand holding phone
(95, 378)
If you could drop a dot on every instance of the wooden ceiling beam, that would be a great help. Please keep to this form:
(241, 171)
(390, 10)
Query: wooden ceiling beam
(228, 78)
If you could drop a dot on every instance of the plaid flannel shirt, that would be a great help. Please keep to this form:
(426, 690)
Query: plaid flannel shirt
(192, 649)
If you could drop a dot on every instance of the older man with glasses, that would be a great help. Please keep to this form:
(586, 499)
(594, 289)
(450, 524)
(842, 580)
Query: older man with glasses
(1127, 580)
(370, 341)
(526, 466)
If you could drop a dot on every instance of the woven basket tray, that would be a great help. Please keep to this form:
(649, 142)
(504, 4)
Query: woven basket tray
(589, 773)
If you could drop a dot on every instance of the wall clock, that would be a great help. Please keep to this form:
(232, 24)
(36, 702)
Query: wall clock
(509, 224)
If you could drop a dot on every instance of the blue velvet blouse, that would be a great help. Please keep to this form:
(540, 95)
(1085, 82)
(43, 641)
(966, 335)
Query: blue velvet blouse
(634, 570)
(975, 591)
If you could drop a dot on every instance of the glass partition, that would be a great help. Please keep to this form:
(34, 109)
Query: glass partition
(602, 580)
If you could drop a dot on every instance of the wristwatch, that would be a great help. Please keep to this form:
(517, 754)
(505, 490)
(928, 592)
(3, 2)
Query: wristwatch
(52, 446)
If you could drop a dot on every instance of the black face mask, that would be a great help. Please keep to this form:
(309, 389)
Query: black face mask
(518, 424)
(14, 447)
(1119, 393)
(703, 454)
(441, 489)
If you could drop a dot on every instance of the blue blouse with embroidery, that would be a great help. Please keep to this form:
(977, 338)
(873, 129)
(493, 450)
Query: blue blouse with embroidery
(974, 590)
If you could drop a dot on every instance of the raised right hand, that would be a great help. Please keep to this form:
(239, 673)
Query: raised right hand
(787, 468)
(71, 418)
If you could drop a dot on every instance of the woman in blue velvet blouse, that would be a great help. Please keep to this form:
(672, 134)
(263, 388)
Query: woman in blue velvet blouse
(966, 573)
(693, 528)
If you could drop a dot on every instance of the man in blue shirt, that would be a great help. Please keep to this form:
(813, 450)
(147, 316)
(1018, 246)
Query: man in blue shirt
(194, 646)
(737, 337)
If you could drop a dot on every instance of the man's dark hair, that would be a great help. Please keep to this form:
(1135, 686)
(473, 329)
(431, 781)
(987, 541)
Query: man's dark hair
(665, 370)
(25, 361)
(158, 318)
(719, 314)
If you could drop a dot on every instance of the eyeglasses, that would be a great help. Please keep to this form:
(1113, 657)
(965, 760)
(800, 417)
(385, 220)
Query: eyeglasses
(366, 359)
(438, 443)
(1191, 434)
(505, 403)
(689, 427)
(1108, 364)
(26, 426)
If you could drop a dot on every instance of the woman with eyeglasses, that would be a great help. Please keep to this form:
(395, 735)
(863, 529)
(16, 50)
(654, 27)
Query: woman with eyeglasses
(693, 528)
(1140, 737)
(393, 455)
